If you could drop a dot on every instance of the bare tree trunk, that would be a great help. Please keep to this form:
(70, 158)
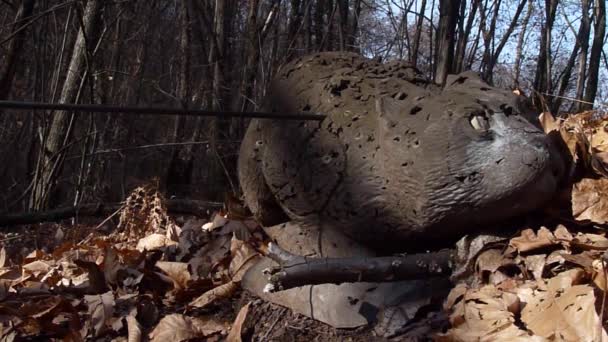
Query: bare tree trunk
(354, 26)
(542, 79)
(257, 37)
(179, 174)
(418, 34)
(488, 33)
(520, 44)
(464, 31)
(582, 35)
(60, 129)
(319, 10)
(295, 22)
(599, 31)
(493, 57)
(582, 57)
(448, 12)
(15, 48)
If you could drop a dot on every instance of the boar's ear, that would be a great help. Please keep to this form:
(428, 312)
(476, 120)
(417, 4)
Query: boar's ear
(388, 108)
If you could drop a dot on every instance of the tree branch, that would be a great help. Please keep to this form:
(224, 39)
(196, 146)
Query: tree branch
(295, 270)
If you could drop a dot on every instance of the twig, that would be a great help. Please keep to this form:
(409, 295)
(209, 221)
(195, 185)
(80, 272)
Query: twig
(295, 270)
(279, 315)
(601, 327)
(90, 236)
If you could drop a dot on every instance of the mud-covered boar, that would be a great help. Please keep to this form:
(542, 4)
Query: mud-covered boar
(397, 158)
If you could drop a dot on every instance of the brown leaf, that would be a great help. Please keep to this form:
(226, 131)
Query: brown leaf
(237, 327)
(101, 310)
(134, 329)
(176, 328)
(536, 264)
(584, 260)
(589, 241)
(220, 292)
(599, 274)
(36, 268)
(590, 200)
(153, 242)
(34, 255)
(548, 122)
(177, 271)
(3, 257)
(485, 314)
(528, 240)
(244, 256)
(111, 265)
(97, 281)
(564, 311)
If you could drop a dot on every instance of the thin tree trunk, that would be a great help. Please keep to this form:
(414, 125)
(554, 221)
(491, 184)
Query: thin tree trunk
(491, 63)
(448, 12)
(9, 64)
(520, 44)
(343, 22)
(582, 57)
(257, 37)
(599, 31)
(354, 26)
(464, 38)
(582, 35)
(542, 79)
(60, 129)
(295, 21)
(319, 10)
(488, 34)
(179, 173)
(418, 34)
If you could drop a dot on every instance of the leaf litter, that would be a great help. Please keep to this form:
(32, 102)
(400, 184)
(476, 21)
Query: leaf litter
(154, 279)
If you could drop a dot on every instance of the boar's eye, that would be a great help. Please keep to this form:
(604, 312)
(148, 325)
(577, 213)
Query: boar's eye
(480, 122)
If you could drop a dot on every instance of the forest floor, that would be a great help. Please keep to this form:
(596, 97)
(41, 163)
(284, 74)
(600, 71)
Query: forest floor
(33, 255)
(143, 275)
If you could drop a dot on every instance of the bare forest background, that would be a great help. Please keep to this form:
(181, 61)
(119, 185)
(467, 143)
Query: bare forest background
(221, 55)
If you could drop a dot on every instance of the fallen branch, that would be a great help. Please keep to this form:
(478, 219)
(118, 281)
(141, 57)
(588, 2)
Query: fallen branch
(174, 206)
(295, 270)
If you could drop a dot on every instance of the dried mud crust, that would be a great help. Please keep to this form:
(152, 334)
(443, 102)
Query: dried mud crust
(269, 322)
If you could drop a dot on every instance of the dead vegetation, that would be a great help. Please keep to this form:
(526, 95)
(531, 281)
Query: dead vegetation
(159, 278)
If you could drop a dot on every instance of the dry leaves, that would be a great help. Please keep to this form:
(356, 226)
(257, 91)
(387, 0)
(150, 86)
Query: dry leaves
(586, 141)
(177, 328)
(541, 288)
(120, 285)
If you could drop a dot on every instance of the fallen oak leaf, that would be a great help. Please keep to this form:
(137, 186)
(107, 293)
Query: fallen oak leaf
(221, 292)
(590, 200)
(244, 256)
(97, 280)
(153, 242)
(101, 310)
(529, 240)
(3, 257)
(568, 313)
(587, 241)
(236, 331)
(133, 329)
(177, 328)
(177, 271)
(485, 314)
